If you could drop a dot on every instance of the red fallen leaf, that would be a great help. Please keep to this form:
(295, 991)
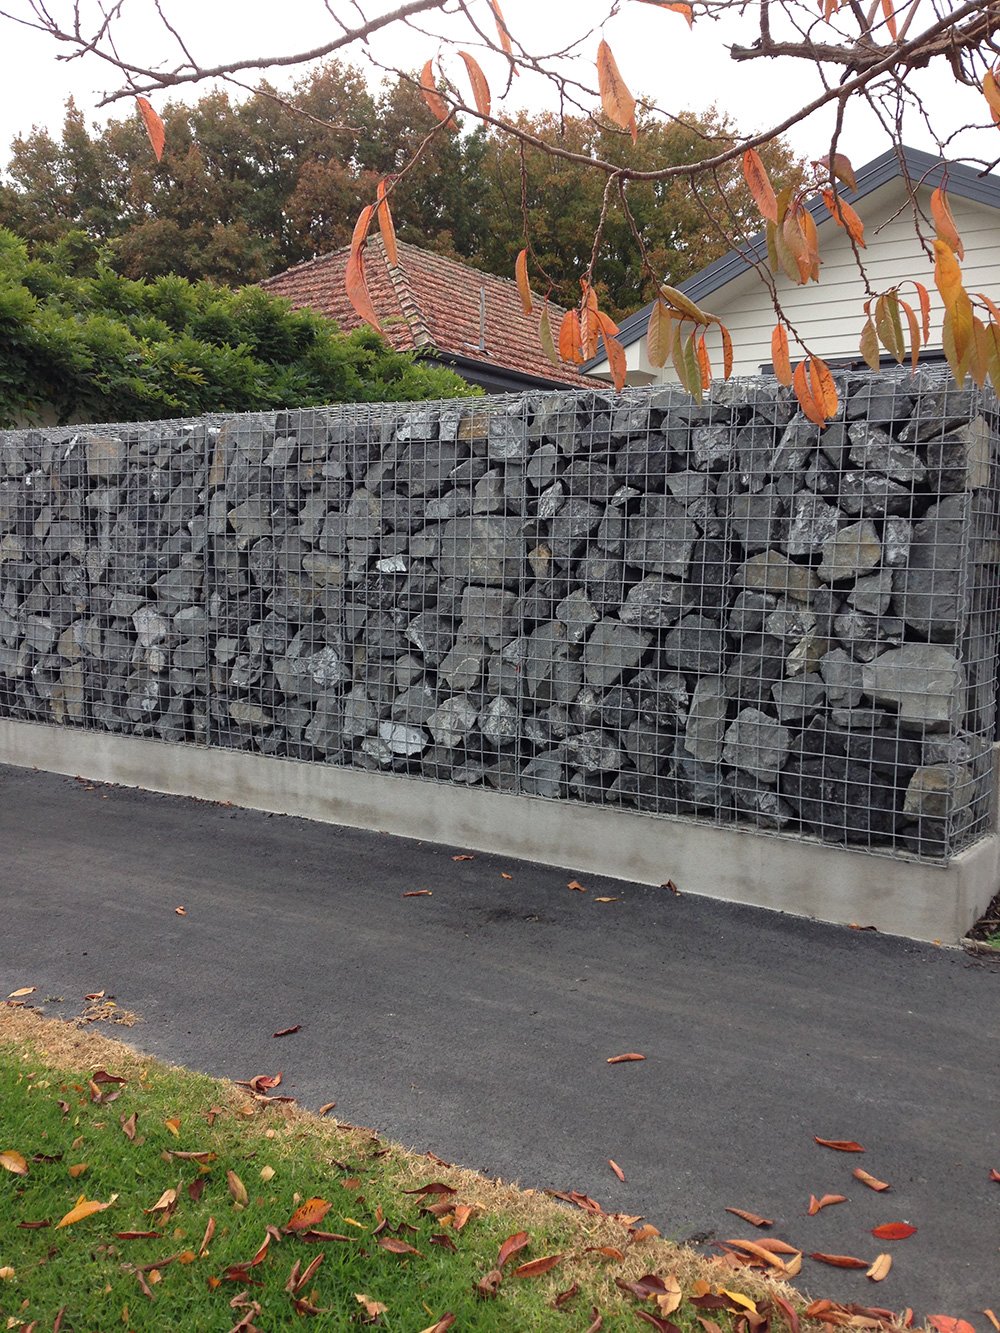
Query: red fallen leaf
(871, 1181)
(287, 1032)
(816, 1205)
(418, 893)
(894, 1231)
(753, 1218)
(511, 1246)
(995, 1175)
(536, 1267)
(197, 1188)
(564, 1297)
(395, 1246)
(576, 886)
(307, 1215)
(839, 1145)
(435, 1187)
(643, 1287)
(944, 1323)
(137, 1235)
(616, 1169)
(311, 1234)
(260, 1082)
(664, 1325)
(35, 1226)
(102, 1076)
(789, 1312)
(597, 1320)
(489, 1285)
(445, 1241)
(624, 1059)
(839, 1260)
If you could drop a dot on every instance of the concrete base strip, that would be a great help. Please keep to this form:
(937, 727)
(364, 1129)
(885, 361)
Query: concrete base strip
(896, 895)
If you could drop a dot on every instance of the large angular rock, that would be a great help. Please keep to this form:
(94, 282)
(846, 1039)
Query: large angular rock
(874, 449)
(482, 550)
(813, 522)
(487, 614)
(939, 791)
(963, 459)
(660, 537)
(696, 645)
(451, 723)
(926, 682)
(758, 744)
(853, 551)
(771, 572)
(930, 589)
(655, 603)
(611, 649)
(706, 722)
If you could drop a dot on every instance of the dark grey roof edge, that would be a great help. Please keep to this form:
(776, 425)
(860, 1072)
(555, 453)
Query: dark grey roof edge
(922, 169)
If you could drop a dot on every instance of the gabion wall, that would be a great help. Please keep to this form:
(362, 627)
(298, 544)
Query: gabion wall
(713, 611)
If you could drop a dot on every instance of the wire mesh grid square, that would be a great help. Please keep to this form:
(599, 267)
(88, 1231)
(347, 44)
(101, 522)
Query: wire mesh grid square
(710, 611)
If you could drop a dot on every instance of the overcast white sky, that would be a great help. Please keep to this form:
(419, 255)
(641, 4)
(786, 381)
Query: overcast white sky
(656, 52)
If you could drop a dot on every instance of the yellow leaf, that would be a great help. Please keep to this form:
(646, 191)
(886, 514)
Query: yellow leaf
(880, 1268)
(13, 1161)
(6, 1274)
(266, 1173)
(83, 1207)
(685, 307)
(372, 1308)
(869, 345)
(948, 280)
(174, 1125)
(78, 1170)
(237, 1189)
(739, 1299)
(523, 286)
(944, 223)
(548, 347)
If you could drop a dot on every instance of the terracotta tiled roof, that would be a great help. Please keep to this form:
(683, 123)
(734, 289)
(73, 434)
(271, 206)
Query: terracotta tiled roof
(431, 302)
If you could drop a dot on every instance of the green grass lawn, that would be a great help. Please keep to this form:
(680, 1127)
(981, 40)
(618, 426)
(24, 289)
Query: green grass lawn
(202, 1189)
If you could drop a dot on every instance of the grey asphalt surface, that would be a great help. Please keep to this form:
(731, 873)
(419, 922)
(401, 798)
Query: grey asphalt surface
(477, 1022)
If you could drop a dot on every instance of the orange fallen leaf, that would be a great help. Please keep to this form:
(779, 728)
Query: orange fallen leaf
(180, 911)
(944, 1323)
(880, 1268)
(839, 1260)
(504, 875)
(645, 1232)
(78, 1169)
(616, 1169)
(395, 1246)
(13, 1162)
(894, 1231)
(327, 1107)
(608, 1251)
(488, 1286)
(419, 893)
(754, 1219)
(536, 1267)
(816, 1205)
(995, 1175)
(95, 995)
(128, 1125)
(308, 1215)
(83, 1207)
(872, 1182)
(463, 858)
(624, 1059)
(606, 900)
(839, 1145)
(23, 990)
(576, 886)
(511, 1246)
(672, 887)
(174, 1125)
(287, 1032)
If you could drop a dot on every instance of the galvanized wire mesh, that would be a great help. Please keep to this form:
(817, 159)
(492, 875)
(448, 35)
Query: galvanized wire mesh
(713, 611)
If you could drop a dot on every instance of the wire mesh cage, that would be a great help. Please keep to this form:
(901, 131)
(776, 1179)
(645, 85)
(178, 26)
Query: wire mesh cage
(712, 611)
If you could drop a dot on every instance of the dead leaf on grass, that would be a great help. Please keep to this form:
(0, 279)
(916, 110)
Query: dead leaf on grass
(174, 1125)
(372, 1308)
(442, 1325)
(83, 1207)
(394, 1245)
(237, 1189)
(537, 1267)
(511, 1246)
(488, 1286)
(128, 1125)
(308, 1215)
(13, 1162)
(78, 1169)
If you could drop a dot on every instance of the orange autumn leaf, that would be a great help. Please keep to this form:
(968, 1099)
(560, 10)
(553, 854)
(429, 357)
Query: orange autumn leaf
(754, 1219)
(616, 1169)
(78, 1170)
(944, 222)
(308, 1215)
(995, 1175)
(756, 177)
(480, 88)
(617, 101)
(872, 1182)
(944, 1323)
(570, 340)
(845, 216)
(418, 893)
(839, 1260)
(624, 1059)
(154, 126)
(432, 98)
(396, 1246)
(894, 1231)
(780, 357)
(685, 11)
(83, 1207)
(576, 886)
(812, 410)
(511, 1246)
(992, 1318)
(617, 361)
(839, 1145)
(14, 1162)
(537, 1267)
(385, 226)
(523, 286)
(354, 277)
(503, 32)
(879, 1270)
(817, 1205)
(889, 14)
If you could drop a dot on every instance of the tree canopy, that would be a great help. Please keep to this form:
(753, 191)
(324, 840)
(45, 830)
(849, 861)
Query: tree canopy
(82, 342)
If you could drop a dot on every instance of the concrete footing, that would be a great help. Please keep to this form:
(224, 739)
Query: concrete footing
(897, 895)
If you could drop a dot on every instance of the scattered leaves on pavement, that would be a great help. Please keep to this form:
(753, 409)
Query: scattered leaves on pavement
(754, 1219)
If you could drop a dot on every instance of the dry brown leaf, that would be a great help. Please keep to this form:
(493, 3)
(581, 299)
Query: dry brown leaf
(372, 1308)
(817, 1205)
(174, 1125)
(287, 1032)
(128, 1125)
(13, 1162)
(154, 126)
(504, 875)
(537, 1267)
(308, 1215)
(616, 1169)
(167, 1200)
(180, 911)
(418, 893)
(992, 1318)
(627, 1058)
(237, 1189)
(872, 1182)
(754, 1219)
(839, 1260)
(22, 990)
(511, 1246)
(672, 887)
(326, 1108)
(880, 1268)
(394, 1245)
(606, 900)
(442, 1325)
(894, 1231)
(83, 1207)
(463, 858)
(78, 1169)
(576, 886)
(489, 1285)
(839, 1145)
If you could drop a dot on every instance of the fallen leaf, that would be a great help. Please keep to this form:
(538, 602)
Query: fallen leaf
(564, 1297)
(872, 1182)
(372, 1308)
(207, 1238)
(839, 1145)
(992, 1318)
(816, 1205)
(445, 1241)
(647, 1232)
(35, 1226)
(78, 1169)
(754, 1219)
(13, 1161)
(672, 887)
(489, 1285)
(197, 1188)
(624, 1059)
(137, 1235)
(287, 1032)
(180, 911)
(606, 900)
(102, 1076)
(442, 1325)
(174, 1125)
(536, 1267)
(763, 1252)
(995, 1175)
(308, 1215)
(944, 1323)
(894, 1231)
(237, 1189)
(576, 886)
(607, 1251)
(463, 858)
(435, 1187)
(504, 875)
(260, 1082)
(511, 1246)
(839, 1260)
(128, 1125)
(616, 1169)
(167, 1200)
(83, 1207)
(6, 1274)
(394, 1245)
(22, 990)
(326, 1108)
(95, 995)
(596, 1320)
(418, 893)
(880, 1268)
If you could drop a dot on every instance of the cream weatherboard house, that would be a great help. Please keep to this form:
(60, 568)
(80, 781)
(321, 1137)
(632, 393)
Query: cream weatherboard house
(829, 314)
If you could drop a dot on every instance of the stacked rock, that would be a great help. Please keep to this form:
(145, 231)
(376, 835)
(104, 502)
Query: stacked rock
(713, 610)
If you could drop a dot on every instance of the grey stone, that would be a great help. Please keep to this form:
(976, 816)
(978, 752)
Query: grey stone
(758, 744)
(462, 666)
(799, 697)
(939, 791)
(897, 534)
(569, 529)
(249, 714)
(414, 705)
(544, 775)
(760, 801)
(551, 500)
(402, 740)
(594, 751)
(150, 626)
(543, 466)
(813, 523)
(483, 550)
(499, 722)
(929, 590)
(432, 634)
(451, 723)
(854, 551)
(360, 714)
(755, 518)
(773, 573)
(926, 681)
(872, 594)
(612, 649)
(871, 495)
(874, 449)
(843, 678)
(660, 537)
(655, 603)
(962, 460)
(106, 457)
(696, 645)
(577, 613)
(508, 431)
(488, 614)
(706, 723)
(711, 446)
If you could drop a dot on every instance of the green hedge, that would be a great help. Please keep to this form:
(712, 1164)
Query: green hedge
(81, 341)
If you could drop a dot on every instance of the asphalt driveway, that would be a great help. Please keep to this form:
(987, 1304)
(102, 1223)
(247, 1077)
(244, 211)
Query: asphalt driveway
(477, 1022)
